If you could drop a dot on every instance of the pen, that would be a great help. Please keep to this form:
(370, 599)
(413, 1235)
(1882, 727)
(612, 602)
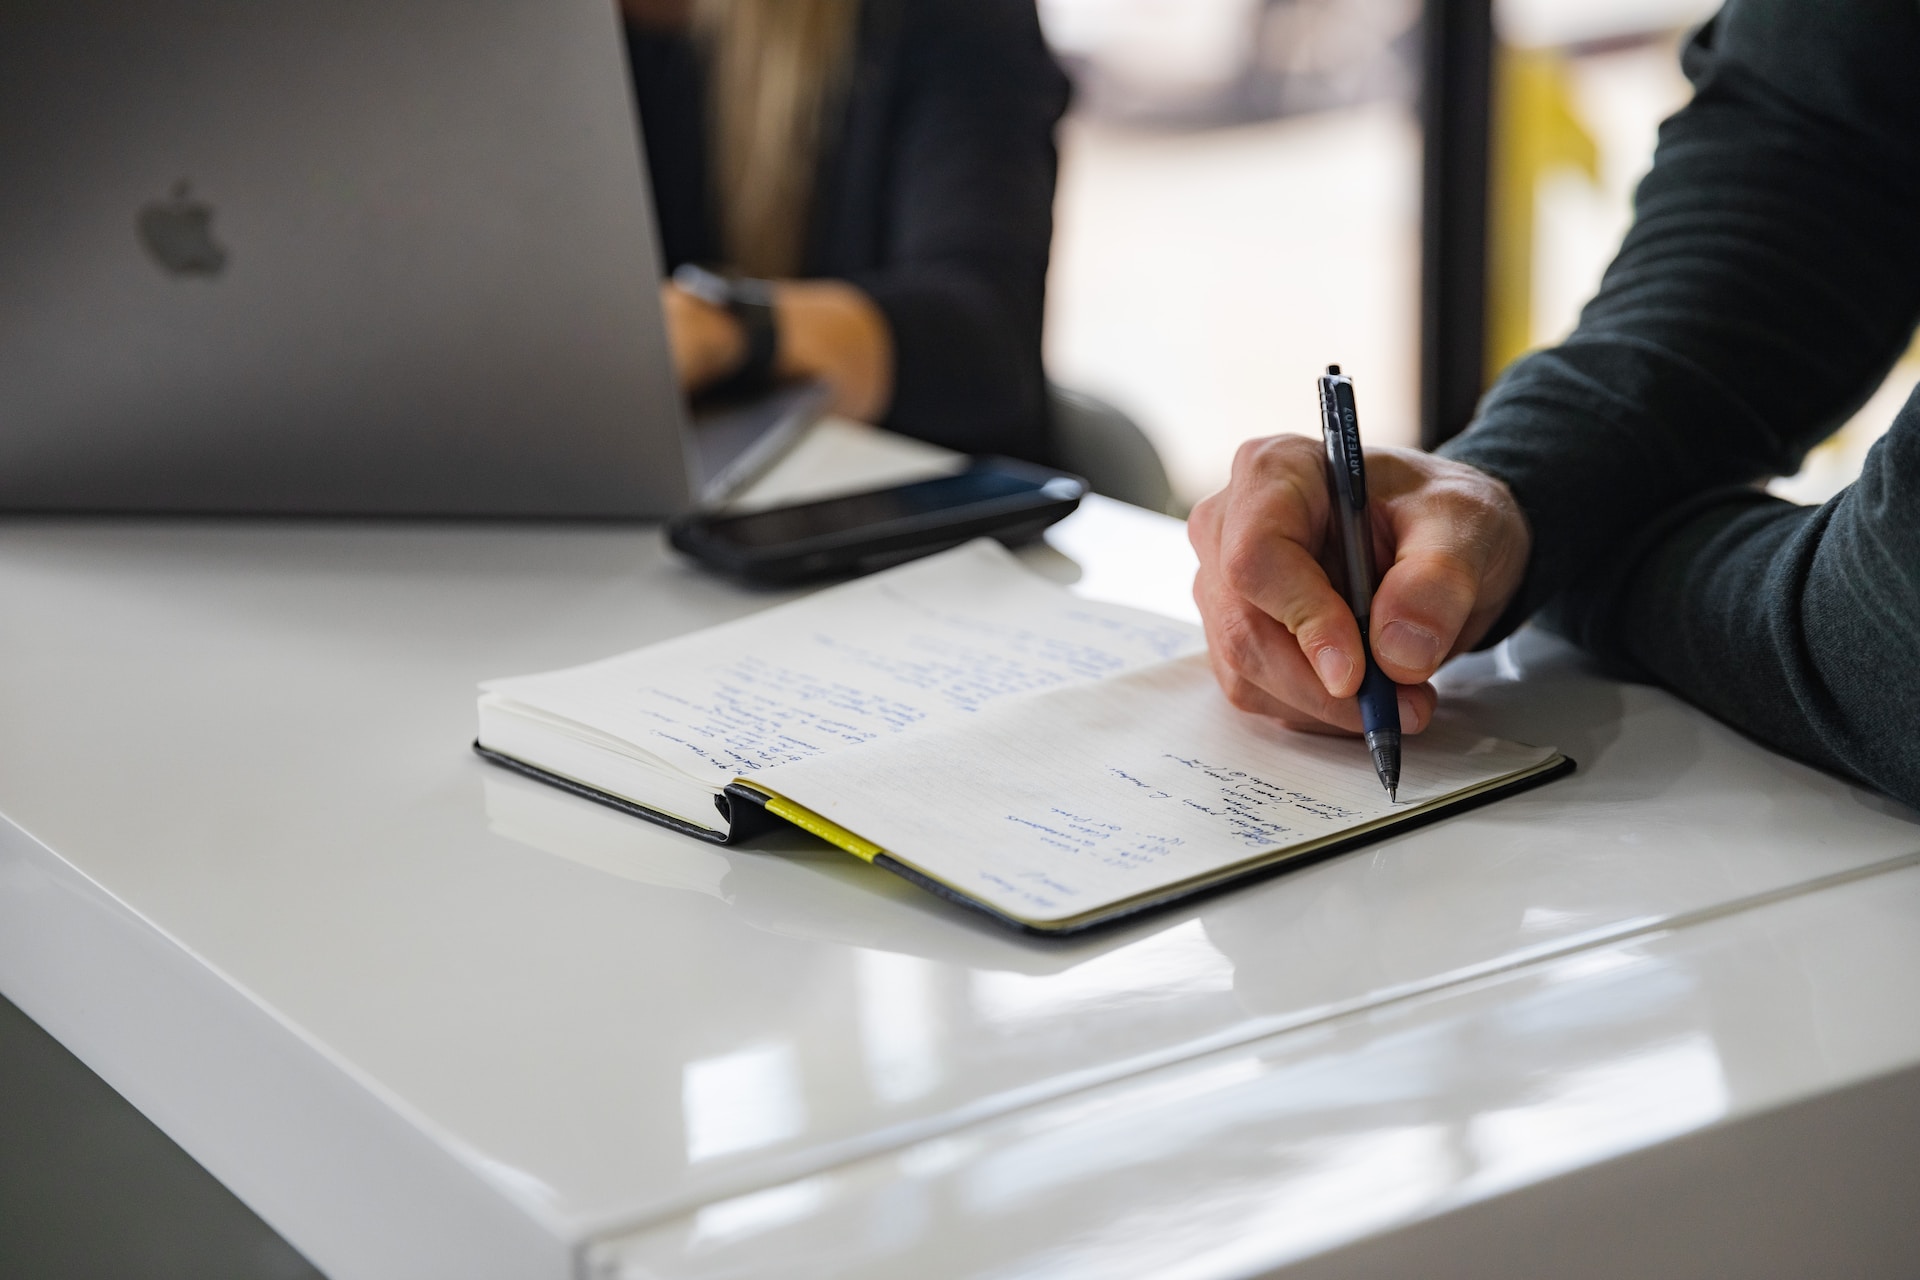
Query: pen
(1347, 484)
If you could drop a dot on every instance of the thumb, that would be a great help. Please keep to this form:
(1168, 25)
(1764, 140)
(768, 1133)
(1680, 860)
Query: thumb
(1425, 599)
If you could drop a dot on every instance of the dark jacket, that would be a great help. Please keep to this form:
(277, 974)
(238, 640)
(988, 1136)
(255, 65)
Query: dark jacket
(1771, 278)
(935, 197)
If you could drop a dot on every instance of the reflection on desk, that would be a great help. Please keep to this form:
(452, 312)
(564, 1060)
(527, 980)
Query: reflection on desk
(1310, 1148)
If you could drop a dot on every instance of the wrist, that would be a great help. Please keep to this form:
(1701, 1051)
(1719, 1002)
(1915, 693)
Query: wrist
(833, 330)
(723, 345)
(750, 355)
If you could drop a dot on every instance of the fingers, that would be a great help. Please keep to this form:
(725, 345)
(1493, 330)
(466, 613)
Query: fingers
(679, 335)
(1439, 595)
(1260, 665)
(1284, 643)
(1289, 587)
(1260, 671)
(1261, 668)
(1270, 528)
(706, 342)
(1421, 608)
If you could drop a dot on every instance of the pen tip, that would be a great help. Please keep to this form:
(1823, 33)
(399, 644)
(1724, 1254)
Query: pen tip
(1333, 371)
(1393, 795)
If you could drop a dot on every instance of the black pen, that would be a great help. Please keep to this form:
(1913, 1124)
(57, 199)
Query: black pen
(1347, 485)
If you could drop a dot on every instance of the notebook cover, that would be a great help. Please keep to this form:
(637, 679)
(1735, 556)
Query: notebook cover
(1178, 895)
(744, 821)
(744, 810)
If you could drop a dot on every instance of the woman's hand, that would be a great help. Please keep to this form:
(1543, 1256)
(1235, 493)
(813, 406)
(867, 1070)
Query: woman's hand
(828, 329)
(708, 343)
(831, 330)
(1284, 643)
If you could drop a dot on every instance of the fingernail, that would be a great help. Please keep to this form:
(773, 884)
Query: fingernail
(1334, 668)
(1405, 645)
(1408, 716)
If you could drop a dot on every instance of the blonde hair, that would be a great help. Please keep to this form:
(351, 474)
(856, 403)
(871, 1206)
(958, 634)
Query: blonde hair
(776, 72)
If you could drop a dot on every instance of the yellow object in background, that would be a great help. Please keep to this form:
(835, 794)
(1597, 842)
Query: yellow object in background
(1536, 130)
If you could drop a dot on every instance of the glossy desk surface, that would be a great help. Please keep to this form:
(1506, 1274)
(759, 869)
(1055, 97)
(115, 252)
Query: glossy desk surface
(429, 1018)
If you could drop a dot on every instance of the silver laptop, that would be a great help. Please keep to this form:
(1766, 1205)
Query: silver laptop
(372, 257)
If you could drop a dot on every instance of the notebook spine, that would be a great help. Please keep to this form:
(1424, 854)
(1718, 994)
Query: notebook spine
(746, 812)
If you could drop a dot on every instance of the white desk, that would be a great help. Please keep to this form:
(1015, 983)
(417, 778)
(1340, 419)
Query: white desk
(430, 1019)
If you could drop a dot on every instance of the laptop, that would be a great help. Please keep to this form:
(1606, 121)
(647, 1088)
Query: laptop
(340, 257)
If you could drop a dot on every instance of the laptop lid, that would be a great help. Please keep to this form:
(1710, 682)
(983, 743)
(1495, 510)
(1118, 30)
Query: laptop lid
(335, 257)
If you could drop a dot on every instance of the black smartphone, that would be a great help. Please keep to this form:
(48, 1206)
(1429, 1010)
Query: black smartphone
(859, 532)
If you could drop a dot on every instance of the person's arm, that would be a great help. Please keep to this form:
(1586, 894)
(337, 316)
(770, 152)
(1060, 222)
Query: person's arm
(965, 231)
(1773, 274)
(1797, 625)
(827, 329)
(940, 339)
(1769, 281)
(1771, 277)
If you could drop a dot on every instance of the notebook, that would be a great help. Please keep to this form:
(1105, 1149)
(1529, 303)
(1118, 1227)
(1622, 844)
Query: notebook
(1056, 762)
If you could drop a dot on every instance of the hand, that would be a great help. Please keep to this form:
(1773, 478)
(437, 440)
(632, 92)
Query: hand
(707, 342)
(829, 329)
(1283, 641)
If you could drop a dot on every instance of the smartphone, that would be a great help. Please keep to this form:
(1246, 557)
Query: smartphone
(860, 532)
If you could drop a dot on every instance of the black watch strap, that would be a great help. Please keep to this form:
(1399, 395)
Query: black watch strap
(750, 302)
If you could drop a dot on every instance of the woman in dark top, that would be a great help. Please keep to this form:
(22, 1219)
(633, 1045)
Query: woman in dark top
(889, 164)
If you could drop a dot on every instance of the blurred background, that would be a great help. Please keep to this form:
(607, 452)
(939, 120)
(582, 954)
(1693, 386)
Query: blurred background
(1239, 205)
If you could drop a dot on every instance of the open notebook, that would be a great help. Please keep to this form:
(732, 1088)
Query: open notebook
(1053, 761)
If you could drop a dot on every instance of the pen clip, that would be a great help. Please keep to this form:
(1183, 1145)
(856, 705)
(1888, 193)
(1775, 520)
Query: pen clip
(1340, 426)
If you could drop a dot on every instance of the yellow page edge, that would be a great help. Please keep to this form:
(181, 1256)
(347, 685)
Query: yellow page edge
(809, 821)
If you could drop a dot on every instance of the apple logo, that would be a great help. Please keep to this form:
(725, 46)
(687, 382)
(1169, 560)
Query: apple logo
(178, 233)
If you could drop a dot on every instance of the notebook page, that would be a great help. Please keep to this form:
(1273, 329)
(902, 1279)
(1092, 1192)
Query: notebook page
(1062, 804)
(939, 638)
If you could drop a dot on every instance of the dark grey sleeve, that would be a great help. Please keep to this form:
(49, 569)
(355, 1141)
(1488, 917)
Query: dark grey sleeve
(1771, 277)
(1798, 625)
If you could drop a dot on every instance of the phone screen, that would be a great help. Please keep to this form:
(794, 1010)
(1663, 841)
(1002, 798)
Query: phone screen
(884, 506)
